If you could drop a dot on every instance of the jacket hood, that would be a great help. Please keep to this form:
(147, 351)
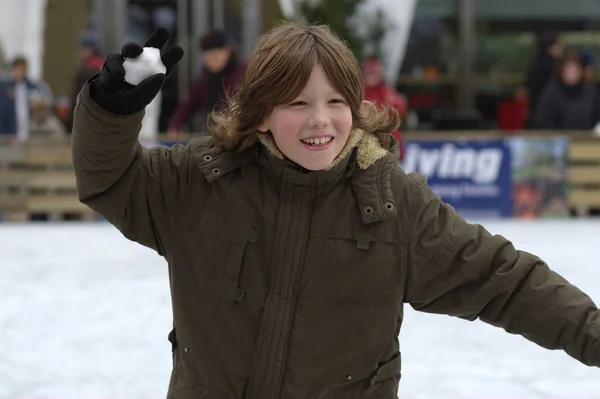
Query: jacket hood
(363, 160)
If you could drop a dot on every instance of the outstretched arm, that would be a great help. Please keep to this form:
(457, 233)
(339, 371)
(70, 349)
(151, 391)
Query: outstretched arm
(460, 269)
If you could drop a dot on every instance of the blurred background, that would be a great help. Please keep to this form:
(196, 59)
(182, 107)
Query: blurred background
(500, 108)
(467, 75)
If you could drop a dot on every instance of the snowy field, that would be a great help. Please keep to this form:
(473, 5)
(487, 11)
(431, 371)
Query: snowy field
(84, 314)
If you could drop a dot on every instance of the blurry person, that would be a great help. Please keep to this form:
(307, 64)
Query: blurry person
(379, 92)
(540, 73)
(90, 63)
(512, 112)
(2, 64)
(568, 102)
(589, 67)
(222, 70)
(42, 121)
(14, 99)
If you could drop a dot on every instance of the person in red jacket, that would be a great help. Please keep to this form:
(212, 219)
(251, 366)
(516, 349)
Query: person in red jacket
(222, 71)
(379, 92)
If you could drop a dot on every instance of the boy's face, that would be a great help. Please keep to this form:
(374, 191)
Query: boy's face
(313, 129)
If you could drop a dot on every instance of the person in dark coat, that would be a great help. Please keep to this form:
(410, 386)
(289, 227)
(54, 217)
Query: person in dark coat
(568, 102)
(222, 70)
(540, 72)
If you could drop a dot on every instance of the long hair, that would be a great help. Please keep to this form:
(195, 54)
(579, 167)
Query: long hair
(279, 70)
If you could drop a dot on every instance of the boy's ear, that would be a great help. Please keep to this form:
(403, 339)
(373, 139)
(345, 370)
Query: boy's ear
(263, 127)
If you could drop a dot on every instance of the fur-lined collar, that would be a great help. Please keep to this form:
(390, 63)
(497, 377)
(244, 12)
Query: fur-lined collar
(368, 148)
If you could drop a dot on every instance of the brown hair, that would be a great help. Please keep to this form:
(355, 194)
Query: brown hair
(277, 73)
(567, 57)
(19, 61)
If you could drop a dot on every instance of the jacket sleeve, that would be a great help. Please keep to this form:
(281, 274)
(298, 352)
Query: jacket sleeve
(132, 187)
(461, 270)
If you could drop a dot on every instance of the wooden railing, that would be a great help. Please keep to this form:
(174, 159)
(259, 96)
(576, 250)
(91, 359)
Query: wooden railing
(36, 178)
(584, 174)
(37, 181)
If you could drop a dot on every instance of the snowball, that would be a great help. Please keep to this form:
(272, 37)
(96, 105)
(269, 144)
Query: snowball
(145, 65)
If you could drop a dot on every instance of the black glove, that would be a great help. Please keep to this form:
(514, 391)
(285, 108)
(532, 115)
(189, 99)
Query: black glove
(109, 88)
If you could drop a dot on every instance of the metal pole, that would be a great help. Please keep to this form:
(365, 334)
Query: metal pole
(201, 22)
(99, 21)
(104, 26)
(112, 25)
(120, 22)
(218, 14)
(251, 22)
(466, 53)
(183, 39)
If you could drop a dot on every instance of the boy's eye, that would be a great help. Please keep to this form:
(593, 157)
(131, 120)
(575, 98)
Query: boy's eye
(297, 103)
(337, 101)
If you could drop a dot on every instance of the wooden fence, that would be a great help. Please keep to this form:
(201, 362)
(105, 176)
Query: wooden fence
(584, 174)
(37, 181)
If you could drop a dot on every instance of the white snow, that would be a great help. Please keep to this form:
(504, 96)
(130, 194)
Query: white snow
(143, 66)
(85, 313)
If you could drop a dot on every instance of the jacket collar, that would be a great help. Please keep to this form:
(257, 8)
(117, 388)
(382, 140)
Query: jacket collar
(371, 182)
(363, 161)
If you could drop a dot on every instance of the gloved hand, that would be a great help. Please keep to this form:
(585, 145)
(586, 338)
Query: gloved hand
(111, 92)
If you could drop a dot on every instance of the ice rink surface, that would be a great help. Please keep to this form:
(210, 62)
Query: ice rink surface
(84, 314)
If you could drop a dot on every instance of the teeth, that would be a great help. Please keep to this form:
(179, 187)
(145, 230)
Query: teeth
(318, 140)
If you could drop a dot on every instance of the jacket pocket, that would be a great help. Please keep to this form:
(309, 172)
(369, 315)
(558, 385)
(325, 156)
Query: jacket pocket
(231, 291)
(218, 246)
(388, 370)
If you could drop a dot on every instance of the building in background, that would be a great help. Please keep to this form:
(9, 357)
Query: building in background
(466, 57)
(474, 54)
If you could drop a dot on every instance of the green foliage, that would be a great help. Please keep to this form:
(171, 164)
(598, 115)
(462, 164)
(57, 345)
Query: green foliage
(376, 33)
(338, 15)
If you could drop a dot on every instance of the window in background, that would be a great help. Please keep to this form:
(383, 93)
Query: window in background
(506, 44)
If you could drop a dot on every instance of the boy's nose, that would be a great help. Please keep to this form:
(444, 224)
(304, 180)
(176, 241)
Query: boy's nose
(319, 118)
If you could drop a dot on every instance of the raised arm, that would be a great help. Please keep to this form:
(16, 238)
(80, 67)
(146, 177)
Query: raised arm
(460, 269)
(124, 182)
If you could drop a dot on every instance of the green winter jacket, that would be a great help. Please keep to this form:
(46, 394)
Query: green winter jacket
(289, 284)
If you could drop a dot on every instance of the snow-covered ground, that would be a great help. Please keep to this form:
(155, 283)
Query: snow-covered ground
(85, 313)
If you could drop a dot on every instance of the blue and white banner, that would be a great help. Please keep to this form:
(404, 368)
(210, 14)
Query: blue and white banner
(473, 176)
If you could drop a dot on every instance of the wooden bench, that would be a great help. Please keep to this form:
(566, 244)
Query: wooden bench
(37, 183)
(584, 175)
